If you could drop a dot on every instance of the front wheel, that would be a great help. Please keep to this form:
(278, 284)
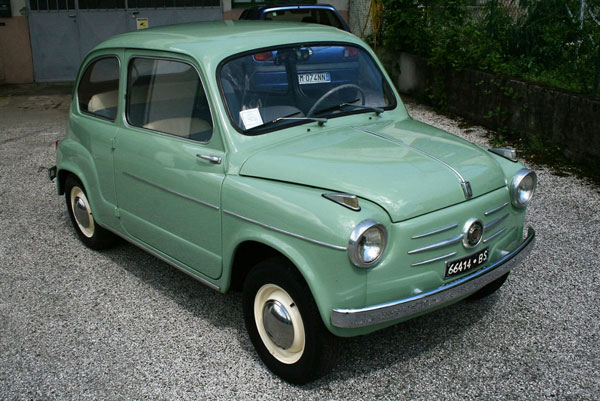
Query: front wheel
(284, 324)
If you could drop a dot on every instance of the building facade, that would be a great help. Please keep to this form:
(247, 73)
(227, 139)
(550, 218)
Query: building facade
(45, 40)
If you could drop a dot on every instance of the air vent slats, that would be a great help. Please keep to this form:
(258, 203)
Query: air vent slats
(491, 237)
(496, 209)
(434, 259)
(436, 231)
(495, 222)
(437, 245)
(492, 230)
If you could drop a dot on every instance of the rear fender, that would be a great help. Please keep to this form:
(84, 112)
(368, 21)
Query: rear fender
(73, 158)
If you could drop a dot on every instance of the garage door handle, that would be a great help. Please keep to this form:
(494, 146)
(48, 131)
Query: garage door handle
(72, 15)
(212, 159)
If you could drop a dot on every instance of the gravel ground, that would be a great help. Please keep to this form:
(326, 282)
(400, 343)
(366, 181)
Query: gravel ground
(78, 324)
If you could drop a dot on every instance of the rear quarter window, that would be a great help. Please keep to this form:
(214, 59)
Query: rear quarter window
(98, 89)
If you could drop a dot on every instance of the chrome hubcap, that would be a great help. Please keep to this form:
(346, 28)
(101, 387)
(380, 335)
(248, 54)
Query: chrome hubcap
(278, 324)
(81, 213)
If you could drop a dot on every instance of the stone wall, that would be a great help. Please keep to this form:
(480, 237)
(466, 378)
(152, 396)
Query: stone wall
(567, 121)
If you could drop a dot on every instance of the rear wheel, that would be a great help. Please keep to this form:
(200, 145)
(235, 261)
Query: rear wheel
(489, 289)
(284, 324)
(80, 212)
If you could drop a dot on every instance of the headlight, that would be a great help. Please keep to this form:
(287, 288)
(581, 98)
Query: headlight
(367, 243)
(522, 187)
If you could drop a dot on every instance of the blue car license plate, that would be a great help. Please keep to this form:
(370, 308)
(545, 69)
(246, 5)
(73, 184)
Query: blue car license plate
(458, 266)
(314, 78)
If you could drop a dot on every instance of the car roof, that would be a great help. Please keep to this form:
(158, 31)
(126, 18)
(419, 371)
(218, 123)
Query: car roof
(220, 39)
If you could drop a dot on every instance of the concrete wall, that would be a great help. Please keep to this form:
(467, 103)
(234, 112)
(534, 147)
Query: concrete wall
(566, 121)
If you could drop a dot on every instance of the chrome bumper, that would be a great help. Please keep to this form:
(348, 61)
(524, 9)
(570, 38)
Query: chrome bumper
(371, 315)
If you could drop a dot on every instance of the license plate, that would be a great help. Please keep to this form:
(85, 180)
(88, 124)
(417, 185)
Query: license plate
(458, 266)
(314, 78)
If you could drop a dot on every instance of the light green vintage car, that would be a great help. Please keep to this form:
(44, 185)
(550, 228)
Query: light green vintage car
(279, 160)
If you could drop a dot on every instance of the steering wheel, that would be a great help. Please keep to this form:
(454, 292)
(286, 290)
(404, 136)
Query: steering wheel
(331, 92)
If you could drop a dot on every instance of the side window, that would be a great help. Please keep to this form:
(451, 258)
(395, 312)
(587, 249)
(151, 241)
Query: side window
(167, 96)
(98, 90)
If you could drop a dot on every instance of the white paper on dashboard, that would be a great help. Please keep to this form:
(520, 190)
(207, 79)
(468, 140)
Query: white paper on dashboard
(251, 118)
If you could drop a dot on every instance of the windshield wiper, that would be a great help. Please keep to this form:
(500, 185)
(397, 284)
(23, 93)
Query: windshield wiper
(377, 110)
(319, 120)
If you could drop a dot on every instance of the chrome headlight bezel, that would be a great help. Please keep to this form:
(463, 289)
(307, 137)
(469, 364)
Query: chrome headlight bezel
(354, 243)
(516, 187)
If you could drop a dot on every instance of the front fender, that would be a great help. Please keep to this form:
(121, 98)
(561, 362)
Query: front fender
(311, 231)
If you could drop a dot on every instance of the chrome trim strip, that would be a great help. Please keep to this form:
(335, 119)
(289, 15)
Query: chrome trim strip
(437, 231)
(494, 210)
(465, 185)
(402, 308)
(434, 259)
(258, 223)
(491, 237)
(440, 244)
(140, 245)
(494, 223)
(170, 191)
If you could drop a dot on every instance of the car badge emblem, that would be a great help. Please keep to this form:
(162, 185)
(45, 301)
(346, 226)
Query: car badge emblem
(473, 233)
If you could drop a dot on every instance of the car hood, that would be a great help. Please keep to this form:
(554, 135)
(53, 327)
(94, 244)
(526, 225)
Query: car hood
(406, 167)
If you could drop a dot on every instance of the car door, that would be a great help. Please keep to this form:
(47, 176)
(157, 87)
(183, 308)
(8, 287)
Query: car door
(168, 169)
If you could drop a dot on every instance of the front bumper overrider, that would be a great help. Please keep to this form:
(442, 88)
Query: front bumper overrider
(381, 313)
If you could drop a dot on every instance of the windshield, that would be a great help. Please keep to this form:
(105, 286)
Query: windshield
(269, 90)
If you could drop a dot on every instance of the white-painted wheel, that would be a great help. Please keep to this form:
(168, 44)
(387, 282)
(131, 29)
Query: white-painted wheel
(270, 294)
(284, 323)
(86, 226)
(82, 211)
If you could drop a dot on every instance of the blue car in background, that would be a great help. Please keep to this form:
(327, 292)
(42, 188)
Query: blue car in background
(316, 67)
(323, 14)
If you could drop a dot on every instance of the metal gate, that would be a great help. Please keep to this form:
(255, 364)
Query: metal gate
(63, 31)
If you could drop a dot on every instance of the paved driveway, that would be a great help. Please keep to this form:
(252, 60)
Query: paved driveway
(78, 324)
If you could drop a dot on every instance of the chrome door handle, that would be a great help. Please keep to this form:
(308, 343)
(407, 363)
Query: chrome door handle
(209, 158)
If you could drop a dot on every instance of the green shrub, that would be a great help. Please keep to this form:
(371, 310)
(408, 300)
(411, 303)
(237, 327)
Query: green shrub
(544, 41)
